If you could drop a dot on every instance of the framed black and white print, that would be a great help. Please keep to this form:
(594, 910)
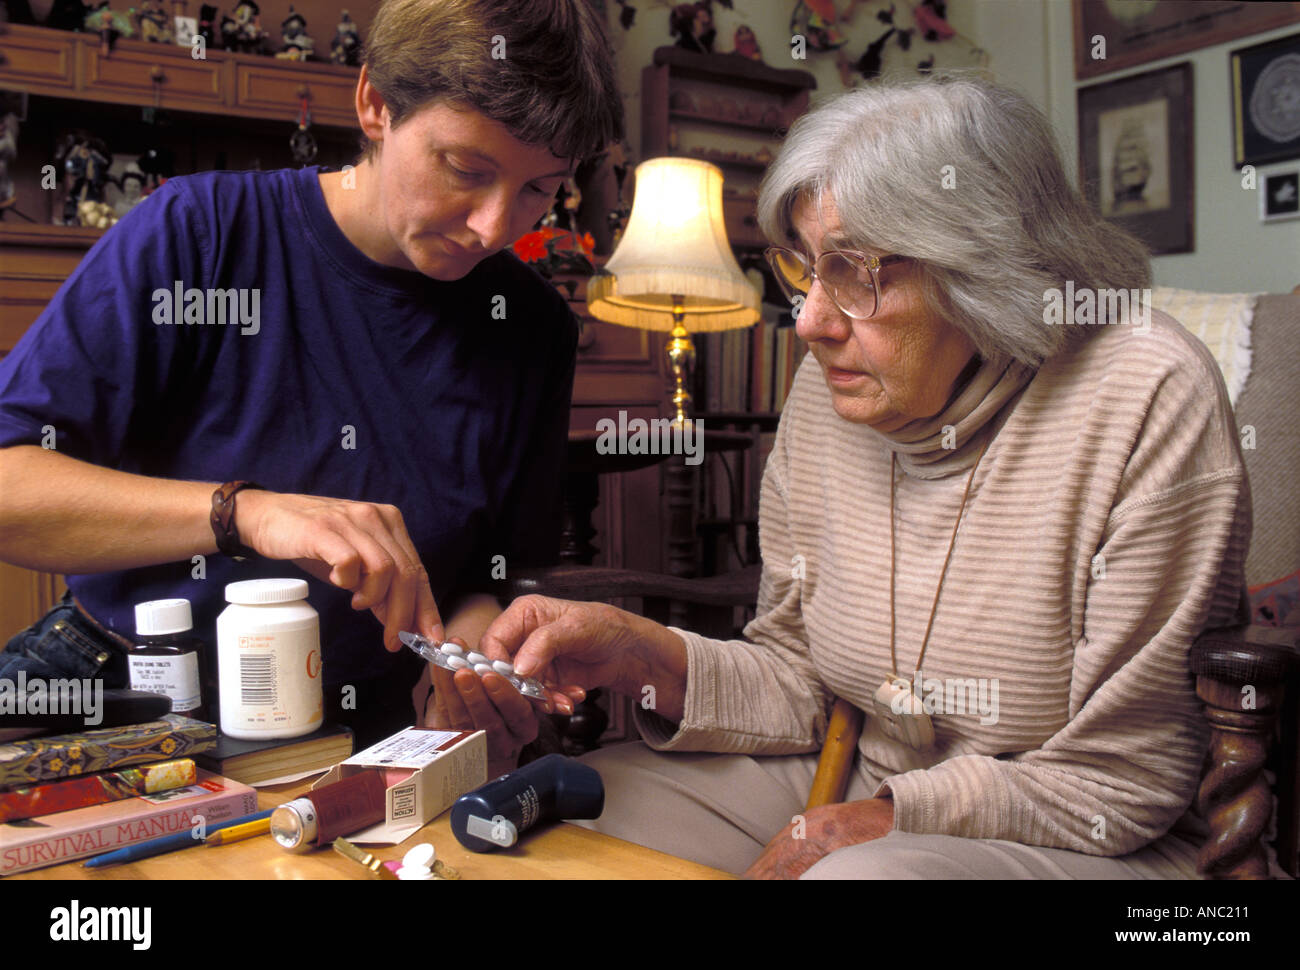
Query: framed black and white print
(1265, 84)
(1135, 155)
(1279, 196)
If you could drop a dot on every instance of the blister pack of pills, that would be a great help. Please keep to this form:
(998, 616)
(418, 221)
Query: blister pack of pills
(450, 656)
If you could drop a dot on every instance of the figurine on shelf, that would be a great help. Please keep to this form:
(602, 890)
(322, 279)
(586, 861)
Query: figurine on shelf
(345, 48)
(158, 166)
(692, 25)
(95, 215)
(746, 44)
(85, 160)
(293, 33)
(8, 152)
(131, 182)
(109, 24)
(151, 23)
(249, 34)
(209, 29)
(229, 33)
(816, 19)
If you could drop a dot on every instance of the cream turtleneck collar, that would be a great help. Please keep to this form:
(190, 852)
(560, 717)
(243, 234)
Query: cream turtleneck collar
(919, 444)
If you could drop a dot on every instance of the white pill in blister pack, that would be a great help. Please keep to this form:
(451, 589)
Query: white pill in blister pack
(449, 656)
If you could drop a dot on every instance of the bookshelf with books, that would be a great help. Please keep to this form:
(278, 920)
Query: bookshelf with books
(743, 382)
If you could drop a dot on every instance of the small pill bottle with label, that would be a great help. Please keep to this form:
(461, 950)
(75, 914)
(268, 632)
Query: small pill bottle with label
(167, 657)
(269, 660)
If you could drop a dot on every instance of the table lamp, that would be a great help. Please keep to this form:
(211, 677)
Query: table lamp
(673, 269)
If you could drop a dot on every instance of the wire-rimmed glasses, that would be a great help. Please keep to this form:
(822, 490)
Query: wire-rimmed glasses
(851, 279)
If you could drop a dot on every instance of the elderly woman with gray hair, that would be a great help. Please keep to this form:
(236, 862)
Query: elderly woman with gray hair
(993, 527)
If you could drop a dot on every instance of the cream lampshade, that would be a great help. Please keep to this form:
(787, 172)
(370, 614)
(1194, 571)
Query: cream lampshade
(673, 269)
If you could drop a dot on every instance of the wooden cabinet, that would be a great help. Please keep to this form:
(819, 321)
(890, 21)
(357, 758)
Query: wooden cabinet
(34, 262)
(33, 58)
(279, 90)
(42, 61)
(152, 76)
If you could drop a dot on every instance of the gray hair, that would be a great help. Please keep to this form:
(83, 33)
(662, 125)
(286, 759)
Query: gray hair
(1011, 228)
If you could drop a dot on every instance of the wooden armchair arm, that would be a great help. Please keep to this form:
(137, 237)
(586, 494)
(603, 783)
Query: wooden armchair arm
(1242, 674)
(836, 762)
(600, 583)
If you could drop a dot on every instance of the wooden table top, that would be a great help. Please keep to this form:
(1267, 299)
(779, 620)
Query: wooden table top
(559, 851)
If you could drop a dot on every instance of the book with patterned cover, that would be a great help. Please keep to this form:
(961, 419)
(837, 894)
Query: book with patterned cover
(67, 755)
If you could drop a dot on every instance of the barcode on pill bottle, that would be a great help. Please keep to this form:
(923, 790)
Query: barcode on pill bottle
(257, 680)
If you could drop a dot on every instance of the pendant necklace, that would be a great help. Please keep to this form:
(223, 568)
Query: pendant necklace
(898, 705)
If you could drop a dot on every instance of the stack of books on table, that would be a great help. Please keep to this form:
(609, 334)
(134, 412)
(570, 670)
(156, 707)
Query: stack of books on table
(75, 795)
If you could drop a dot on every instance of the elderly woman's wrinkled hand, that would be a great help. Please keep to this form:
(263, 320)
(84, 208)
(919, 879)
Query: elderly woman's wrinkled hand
(820, 831)
(590, 645)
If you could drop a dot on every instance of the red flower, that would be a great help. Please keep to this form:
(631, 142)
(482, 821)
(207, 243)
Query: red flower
(932, 25)
(531, 247)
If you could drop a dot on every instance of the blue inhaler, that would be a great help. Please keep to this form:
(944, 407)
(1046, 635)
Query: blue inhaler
(546, 790)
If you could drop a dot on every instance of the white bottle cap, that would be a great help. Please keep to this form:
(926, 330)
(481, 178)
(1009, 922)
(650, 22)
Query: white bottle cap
(259, 591)
(420, 856)
(159, 617)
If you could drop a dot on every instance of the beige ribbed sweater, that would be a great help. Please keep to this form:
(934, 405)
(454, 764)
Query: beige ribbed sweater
(1124, 450)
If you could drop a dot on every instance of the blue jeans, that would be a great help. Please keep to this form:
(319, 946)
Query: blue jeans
(65, 643)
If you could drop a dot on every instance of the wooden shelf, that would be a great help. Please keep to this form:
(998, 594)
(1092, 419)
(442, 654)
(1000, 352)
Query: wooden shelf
(734, 70)
(711, 119)
(40, 60)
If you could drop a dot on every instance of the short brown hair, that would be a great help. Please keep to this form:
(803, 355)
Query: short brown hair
(554, 86)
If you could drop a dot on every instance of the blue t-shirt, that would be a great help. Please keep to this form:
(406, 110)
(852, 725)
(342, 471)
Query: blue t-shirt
(332, 375)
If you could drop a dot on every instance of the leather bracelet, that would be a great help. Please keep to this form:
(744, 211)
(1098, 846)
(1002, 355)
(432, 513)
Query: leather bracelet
(223, 520)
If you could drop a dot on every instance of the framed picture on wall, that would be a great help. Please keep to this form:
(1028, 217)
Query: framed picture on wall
(1110, 35)
(1279, 196)
(1135, 155)
(1265, 84)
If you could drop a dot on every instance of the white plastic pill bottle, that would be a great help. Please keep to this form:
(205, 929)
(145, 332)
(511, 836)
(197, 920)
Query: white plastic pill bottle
(269, 660)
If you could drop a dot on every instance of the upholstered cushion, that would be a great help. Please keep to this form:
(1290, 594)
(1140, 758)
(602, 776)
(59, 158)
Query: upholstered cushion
(1222, 321)
(1270, 405)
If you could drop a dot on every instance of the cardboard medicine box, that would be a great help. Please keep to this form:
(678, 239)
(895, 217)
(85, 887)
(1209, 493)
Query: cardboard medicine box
(425, 771)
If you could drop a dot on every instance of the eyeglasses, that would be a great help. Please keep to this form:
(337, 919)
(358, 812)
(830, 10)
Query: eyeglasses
(851, 280)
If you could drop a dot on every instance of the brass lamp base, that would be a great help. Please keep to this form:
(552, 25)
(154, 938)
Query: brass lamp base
(681, 357)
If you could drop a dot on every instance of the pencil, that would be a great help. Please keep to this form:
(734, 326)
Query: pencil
(237, 833)
(165, 843)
